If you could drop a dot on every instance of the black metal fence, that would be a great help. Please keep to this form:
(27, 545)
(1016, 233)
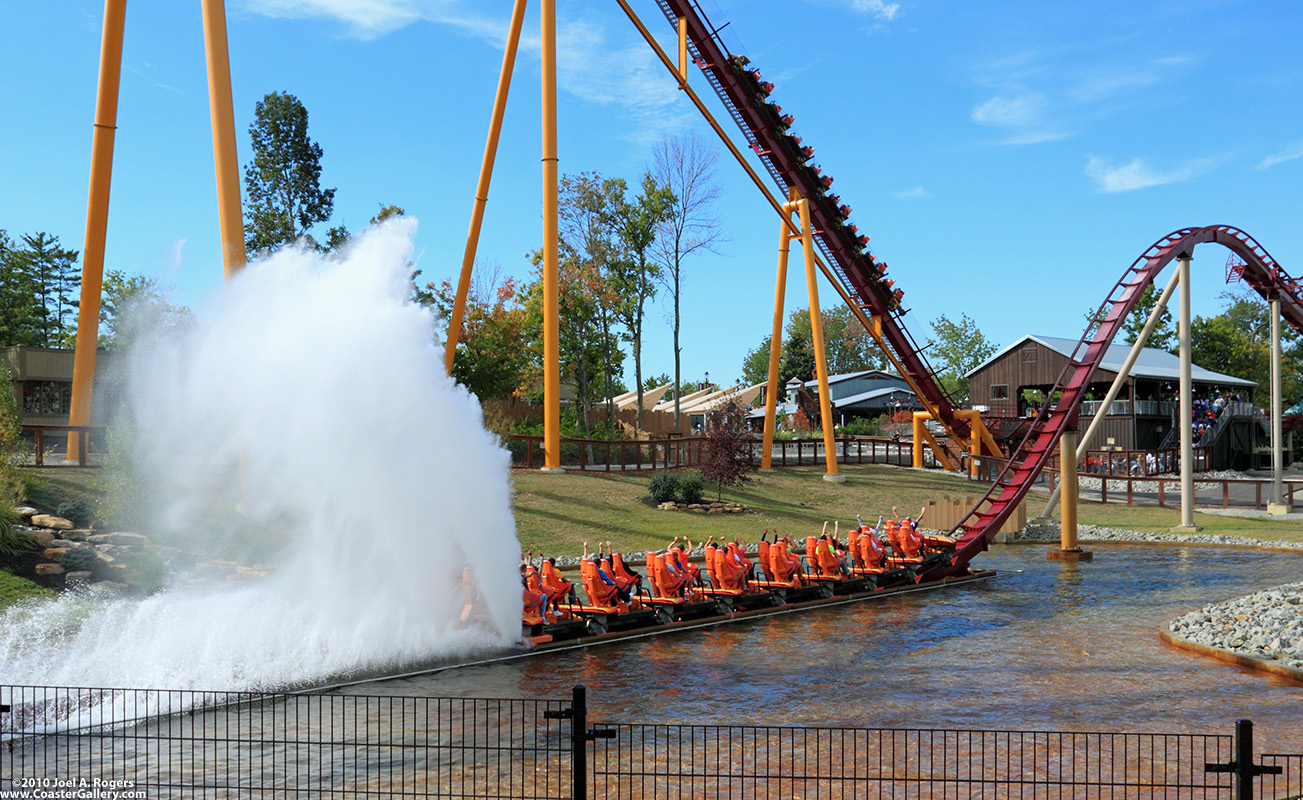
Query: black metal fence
(180, 744)
(156, 744)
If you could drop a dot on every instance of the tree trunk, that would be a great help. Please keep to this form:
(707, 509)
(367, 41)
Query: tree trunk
(677, 351)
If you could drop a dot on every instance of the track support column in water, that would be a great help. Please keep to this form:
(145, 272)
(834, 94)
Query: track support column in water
(551, 305)
(1277, 504)
(1187, 405)
(1068, 549)
(97, 220)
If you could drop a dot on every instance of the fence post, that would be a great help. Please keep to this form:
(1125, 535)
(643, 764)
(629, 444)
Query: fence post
(579, 741)
(1242, 766)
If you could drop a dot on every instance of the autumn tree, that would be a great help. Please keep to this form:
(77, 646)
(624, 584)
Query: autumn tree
(685, 166)
(282, 182)
(726, 455)
(493, 357)
(955, 349)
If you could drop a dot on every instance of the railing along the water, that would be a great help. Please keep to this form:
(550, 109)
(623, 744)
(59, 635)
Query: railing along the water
(151, 743)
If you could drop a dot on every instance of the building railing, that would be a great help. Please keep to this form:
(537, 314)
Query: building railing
(47, 442)
(147, 743)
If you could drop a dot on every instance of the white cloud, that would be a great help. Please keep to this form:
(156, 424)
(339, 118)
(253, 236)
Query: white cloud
(589, 65)
(879, 9)
(366, 18)
(1009, 111)
(913, 192)
(1291, 153)
(1136, 174)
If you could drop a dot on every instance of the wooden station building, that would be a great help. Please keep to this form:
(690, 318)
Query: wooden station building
(1141, 417)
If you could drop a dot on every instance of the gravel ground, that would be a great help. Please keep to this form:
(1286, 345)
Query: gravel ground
(1096, 533)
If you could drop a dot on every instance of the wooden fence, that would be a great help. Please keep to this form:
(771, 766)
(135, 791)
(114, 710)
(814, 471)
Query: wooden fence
(948, 512)
(600, 455)
(45, 446)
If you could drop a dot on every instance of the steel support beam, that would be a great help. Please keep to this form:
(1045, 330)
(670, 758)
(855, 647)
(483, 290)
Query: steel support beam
(97, 220)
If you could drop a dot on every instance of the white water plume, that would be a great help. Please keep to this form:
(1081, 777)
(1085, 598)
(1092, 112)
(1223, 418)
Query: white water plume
(308, 429)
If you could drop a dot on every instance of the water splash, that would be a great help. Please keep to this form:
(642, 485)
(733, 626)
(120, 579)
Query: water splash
(309, 425)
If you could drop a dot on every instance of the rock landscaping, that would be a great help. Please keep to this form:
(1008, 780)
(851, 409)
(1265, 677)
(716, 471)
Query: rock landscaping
(703, 508)
(64, 557)
(1266, 626)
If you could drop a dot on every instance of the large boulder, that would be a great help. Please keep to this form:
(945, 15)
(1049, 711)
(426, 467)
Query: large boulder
(42, 539)
(48, 569)
(52, 522)
(26, 512)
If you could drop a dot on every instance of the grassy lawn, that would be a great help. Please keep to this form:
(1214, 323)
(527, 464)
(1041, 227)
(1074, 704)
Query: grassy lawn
(557, 513)
(50, 487)
(14, 588)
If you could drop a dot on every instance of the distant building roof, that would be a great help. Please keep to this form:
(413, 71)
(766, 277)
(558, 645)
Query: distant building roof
(1151, 363)
(873, 395)
(847, 376)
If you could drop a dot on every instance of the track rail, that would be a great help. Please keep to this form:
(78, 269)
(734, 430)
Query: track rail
(1025, 463)
(768, 131)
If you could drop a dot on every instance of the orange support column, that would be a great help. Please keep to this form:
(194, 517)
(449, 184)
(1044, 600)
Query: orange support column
(820, 358)
(486, 176)
(225, 160)
(97, 220)
(775, 349)
(551, 299)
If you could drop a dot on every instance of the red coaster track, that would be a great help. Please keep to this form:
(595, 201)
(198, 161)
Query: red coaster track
(767, 129)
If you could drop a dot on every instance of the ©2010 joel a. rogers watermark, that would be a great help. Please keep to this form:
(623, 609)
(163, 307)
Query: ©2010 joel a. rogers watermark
(70, 789)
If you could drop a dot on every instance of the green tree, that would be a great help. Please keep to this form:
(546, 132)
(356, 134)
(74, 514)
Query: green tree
(283, 180)
(1238, 342)
(133, 307)
(957, 348)
(655, 381)
(633, 274)
(56, 279)
(686, 166)
(847, 347)
(590, 245)
(22, 314)
(1164, 335)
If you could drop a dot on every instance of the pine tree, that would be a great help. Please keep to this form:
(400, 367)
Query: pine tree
(283, 181)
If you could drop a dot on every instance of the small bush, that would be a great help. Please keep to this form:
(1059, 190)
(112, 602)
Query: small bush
(692, 487)
(75, 511)
(664, 487)
(79, 559)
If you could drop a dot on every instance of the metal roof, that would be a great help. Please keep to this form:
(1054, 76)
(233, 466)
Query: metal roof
(1151, 363)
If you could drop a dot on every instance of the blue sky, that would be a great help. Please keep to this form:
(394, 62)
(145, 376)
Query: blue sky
(1008, 159)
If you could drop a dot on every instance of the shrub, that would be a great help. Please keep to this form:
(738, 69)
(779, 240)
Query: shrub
(79, 559)
(75, 511)
(664, 487)
(692, 487)
(13, 543)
